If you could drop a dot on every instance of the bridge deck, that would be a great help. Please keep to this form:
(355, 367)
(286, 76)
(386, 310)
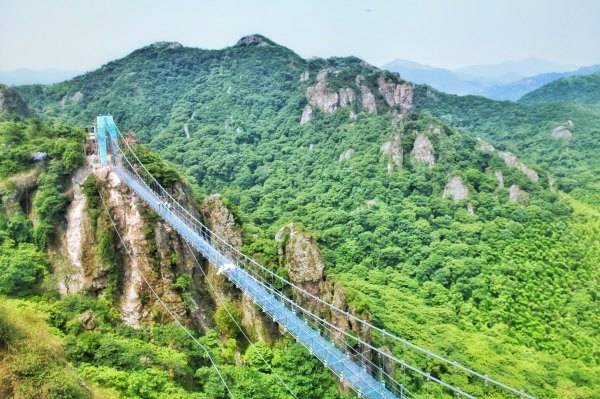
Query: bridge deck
(332, 357)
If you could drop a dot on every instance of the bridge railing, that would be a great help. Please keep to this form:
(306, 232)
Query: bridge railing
(369, 345)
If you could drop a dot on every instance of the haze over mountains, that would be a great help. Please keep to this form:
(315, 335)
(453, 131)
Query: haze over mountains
(503, 81)
(25, 76)
(465, 224)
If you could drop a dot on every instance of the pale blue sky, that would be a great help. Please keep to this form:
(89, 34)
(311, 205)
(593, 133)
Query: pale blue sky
(84, 34)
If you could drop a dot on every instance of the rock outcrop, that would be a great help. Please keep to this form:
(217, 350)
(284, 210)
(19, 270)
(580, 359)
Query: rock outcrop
(516, 194)
(397, 95)
(423, 150)
(222, 222)
(301, 257)
(320, 97)
(511, 160)
(392, 149)
(456, 189)
(346, 155)
(367, 98)
(563, 132)
(307, 114)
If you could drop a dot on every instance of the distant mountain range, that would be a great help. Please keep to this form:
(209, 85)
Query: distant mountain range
(504, 81)
(36, 76)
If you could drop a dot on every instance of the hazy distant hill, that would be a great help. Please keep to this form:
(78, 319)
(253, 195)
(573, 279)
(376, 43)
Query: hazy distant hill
(574, 89)
(483, 80)
(510, 71)
(32, 76)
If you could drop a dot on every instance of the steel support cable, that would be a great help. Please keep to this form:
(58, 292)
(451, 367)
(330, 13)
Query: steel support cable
(163, 304)
(486, 379)
(315, 317)
(285, 299)
(428, 376)
(286, 386)
(396, 386)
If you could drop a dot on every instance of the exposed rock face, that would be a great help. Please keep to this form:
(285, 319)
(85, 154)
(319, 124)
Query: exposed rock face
(299, 254)
(346, 97)
(367, 98)
(307, 114)
(511, 160)
(397, 95)
(346, 155)
(563, 132)
(515, 194)
(304, 76)
(12, 103)
(77, 236)
(301, 257)
(456, 189)
(158, 253)
(222, 222)
(320, 97)
(423, 150)
(393, 150)
(17, 195)
(253, 40)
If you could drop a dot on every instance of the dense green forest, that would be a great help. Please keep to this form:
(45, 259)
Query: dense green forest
(531, 131)
(508, 287)
(48, 348)
(576, 89)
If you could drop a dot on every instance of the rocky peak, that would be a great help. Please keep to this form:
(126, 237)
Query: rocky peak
(456, 189)
(301, 257)
(423, 150)
(11, 102)
(254, 40)
(396, 95)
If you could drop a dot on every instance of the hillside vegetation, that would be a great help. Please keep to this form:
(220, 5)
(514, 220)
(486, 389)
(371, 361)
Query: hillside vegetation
(436, 236)
(561, 138)
(78, 346)
(575, 89)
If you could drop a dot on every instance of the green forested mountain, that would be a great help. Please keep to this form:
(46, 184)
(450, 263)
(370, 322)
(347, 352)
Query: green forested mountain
(77, 346)
(575, 89)
(460, 247)
(562, 138)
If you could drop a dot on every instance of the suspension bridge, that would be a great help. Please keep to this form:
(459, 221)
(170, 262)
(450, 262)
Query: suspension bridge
(369, 366)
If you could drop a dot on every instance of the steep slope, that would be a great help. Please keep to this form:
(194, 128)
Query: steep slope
(433, 234)
(86, 325)
(576, 89)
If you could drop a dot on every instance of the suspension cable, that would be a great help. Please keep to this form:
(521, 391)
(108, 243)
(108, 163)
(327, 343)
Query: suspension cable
(241, 256)
(199, 266)
(163, 304)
